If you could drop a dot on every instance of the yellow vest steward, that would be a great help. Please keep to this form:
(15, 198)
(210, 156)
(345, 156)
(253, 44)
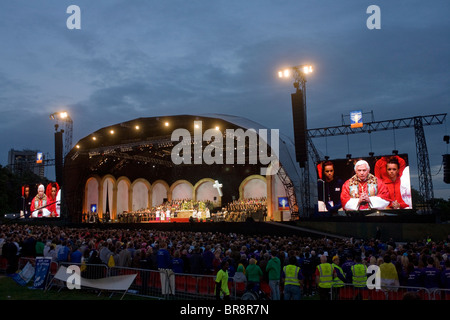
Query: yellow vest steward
(326, 275)
(338, 282)
(359, 273)
(291, 273)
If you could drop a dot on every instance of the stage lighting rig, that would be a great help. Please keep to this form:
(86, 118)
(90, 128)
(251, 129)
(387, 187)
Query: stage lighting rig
(298, 73)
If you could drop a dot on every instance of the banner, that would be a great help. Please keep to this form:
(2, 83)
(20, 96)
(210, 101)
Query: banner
(42, 270)
(25, 275)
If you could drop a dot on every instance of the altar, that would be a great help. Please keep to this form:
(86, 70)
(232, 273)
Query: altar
(184, 213)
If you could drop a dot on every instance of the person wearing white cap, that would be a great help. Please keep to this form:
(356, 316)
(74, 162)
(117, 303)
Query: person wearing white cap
(364, 191)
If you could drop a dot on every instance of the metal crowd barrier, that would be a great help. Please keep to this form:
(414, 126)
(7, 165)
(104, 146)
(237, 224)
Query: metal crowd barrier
(441, 294)
(350, 292)
(163, 284)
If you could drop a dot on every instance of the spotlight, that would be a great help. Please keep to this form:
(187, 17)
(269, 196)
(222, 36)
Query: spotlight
(395, 152)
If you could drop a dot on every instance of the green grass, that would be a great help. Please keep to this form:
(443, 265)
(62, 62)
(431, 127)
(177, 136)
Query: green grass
(10, 290)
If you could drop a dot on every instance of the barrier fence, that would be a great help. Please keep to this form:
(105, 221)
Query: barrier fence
(165, 284)
(350, 292)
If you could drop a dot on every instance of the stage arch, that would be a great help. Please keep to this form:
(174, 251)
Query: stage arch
(182, 189)
(160, 192)
(204, 190)
(254, 186)
(123, 195)
(140, 189)
(91, 192)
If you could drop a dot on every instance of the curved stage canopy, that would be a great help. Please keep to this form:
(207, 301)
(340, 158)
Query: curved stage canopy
(140, 163)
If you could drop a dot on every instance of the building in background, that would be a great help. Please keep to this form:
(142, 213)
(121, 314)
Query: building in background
(20, 161)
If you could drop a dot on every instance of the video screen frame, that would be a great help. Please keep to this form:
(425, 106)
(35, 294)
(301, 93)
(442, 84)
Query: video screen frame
(344, 194)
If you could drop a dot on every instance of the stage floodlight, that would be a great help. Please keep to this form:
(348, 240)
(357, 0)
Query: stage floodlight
(112, 131)
(77, 146)
(307, 69)
(166, 124)
(136, 127)
(94, 138)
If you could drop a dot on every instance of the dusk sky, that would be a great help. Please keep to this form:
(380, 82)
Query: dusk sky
(147, 58)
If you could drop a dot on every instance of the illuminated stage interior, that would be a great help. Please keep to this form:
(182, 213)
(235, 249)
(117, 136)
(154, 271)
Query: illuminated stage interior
(130, 164)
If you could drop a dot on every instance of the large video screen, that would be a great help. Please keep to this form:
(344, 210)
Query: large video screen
(41, 201)
(357, 184)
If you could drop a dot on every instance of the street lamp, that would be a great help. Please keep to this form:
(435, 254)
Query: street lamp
(300, 125)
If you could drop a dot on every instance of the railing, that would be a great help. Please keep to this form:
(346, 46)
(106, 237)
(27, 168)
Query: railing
(161, 284)
(350, 292)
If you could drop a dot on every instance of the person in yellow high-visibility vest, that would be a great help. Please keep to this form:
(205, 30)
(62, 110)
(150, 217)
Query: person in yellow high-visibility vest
(359, 276)
(339, 280)
(324, 278)
(293, 280)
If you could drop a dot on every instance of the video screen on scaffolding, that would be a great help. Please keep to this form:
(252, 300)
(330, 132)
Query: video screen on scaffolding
(41, 201)
(357, 184)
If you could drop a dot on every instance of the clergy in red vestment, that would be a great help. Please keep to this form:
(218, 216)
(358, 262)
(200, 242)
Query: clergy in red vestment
(39, 204)
(51, 192)
(391, 170)
(364, 191)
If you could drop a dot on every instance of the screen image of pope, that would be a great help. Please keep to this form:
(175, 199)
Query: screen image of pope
(39, 204)
(364, 191)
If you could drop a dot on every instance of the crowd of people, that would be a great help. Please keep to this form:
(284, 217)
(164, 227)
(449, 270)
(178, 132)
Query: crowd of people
(235, 211)
(241, 210)
(163, 212)
(253, 259)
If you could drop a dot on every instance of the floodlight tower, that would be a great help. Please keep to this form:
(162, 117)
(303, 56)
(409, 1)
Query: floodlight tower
(300, 127)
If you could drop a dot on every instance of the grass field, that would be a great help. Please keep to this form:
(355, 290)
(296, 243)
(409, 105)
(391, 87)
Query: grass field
(10, 290)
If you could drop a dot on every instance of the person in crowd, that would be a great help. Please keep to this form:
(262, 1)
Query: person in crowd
(165, 269)
(307, 267)
(76, 255)
(177, 262)
(292, 278)
(339, 279)
(388, 273)
(254, 275)
(445, 275)
(273, 269)
(431, 275)
(324, 278)
(359, 276)
(221, 280)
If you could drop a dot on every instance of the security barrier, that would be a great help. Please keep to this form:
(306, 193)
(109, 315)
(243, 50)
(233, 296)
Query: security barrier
(350, 292)
(164, 284)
